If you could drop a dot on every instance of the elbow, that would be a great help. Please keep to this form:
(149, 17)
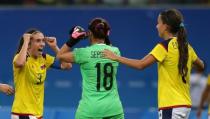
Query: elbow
(19, 64)
(141, 67)
(201, 67)
(58, 56)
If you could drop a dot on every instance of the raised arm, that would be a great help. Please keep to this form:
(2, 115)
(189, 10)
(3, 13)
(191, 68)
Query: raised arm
(21, 58)
(76, 34)
(52, 42)
(65, 54)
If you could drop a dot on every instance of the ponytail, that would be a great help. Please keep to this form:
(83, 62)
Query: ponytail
(183, 51)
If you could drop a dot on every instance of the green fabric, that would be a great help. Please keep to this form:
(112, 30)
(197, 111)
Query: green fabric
(99, 87)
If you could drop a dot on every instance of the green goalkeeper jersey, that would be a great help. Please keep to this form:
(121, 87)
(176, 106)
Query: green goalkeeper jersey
(99, 87)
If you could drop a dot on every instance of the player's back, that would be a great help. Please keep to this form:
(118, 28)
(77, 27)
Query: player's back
(100, 95)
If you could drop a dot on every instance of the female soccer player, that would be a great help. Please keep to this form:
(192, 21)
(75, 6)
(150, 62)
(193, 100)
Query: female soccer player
(175, 58)
(30, 66)
(100, 99)
(7, 89)
(204, 98)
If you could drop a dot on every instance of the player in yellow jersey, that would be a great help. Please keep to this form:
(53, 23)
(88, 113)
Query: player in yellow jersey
(204, 98)
(175, 58)
(30, 66)
(7, 89)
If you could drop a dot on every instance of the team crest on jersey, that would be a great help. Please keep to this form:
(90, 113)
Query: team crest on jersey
(43, 67)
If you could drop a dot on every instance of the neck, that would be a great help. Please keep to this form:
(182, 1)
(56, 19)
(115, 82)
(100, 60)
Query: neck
(31, 55)
(168, 36)
(97, 41)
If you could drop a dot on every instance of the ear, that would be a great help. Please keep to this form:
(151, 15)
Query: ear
(167, 27)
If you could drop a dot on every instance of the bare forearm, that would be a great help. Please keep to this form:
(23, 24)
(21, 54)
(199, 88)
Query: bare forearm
(130, 62)
(55, 49)
(203, 99)
(21, 59)
(64, 49)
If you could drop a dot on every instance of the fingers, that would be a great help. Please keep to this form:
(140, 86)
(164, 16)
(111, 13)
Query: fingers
(106, 53)
(10, 91)
(50, 39)
(26, 37)
(77, 35)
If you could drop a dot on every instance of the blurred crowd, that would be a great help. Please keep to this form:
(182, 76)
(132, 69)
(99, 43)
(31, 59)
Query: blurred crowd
(101, 2)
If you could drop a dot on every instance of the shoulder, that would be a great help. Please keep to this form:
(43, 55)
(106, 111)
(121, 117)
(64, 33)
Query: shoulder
(114, 48)
(80, 49)
(165, 44)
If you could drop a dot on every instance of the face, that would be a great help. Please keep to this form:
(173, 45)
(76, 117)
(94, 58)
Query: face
(37, 44)
(161, 27)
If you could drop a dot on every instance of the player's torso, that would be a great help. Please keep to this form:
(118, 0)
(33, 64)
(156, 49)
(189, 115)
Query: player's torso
(29, 86)
(99, 81)
(170, 81)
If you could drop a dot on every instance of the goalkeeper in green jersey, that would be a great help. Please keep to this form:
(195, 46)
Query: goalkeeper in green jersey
(100, 98)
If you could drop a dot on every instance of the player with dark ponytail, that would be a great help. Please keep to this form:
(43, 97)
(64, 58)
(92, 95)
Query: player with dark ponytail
(175, 58)
(100, 99)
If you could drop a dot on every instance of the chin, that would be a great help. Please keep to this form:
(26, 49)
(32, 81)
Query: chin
(40, 53)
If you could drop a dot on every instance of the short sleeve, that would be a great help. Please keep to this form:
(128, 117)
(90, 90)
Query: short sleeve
(118, 52)
(79, 55)
(208, 81)
(159, 52)
(49, 60)
(15, 58)
(193, 54)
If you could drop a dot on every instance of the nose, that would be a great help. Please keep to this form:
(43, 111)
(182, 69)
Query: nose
(43, 43)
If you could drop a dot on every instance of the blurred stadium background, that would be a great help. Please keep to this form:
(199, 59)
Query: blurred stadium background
(133, 24)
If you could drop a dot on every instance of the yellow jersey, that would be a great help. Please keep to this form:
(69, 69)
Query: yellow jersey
(29, 85)
(172, 90)
(208, 83)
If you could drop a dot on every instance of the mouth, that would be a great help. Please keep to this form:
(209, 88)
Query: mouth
(40, 50)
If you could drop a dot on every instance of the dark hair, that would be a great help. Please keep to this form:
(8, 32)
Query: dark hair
(174, 19)
(100, 29)
(30, 31)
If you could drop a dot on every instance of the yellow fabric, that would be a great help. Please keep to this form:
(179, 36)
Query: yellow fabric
(29, 85)
(208, 83)
(172, 91)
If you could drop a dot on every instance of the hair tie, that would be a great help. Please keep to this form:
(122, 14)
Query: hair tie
(181, 24)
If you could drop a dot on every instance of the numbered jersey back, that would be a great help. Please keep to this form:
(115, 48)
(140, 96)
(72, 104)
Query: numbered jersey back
(99, 79)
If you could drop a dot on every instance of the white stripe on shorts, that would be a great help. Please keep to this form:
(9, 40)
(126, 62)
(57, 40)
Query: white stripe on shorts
(175, 113)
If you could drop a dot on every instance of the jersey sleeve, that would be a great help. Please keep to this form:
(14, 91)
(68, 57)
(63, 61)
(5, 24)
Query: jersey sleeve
(79, 55)
(208, 80)
(49, 60)
(117, 52)
(159, 52)
(15, 58)
(193, 54)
